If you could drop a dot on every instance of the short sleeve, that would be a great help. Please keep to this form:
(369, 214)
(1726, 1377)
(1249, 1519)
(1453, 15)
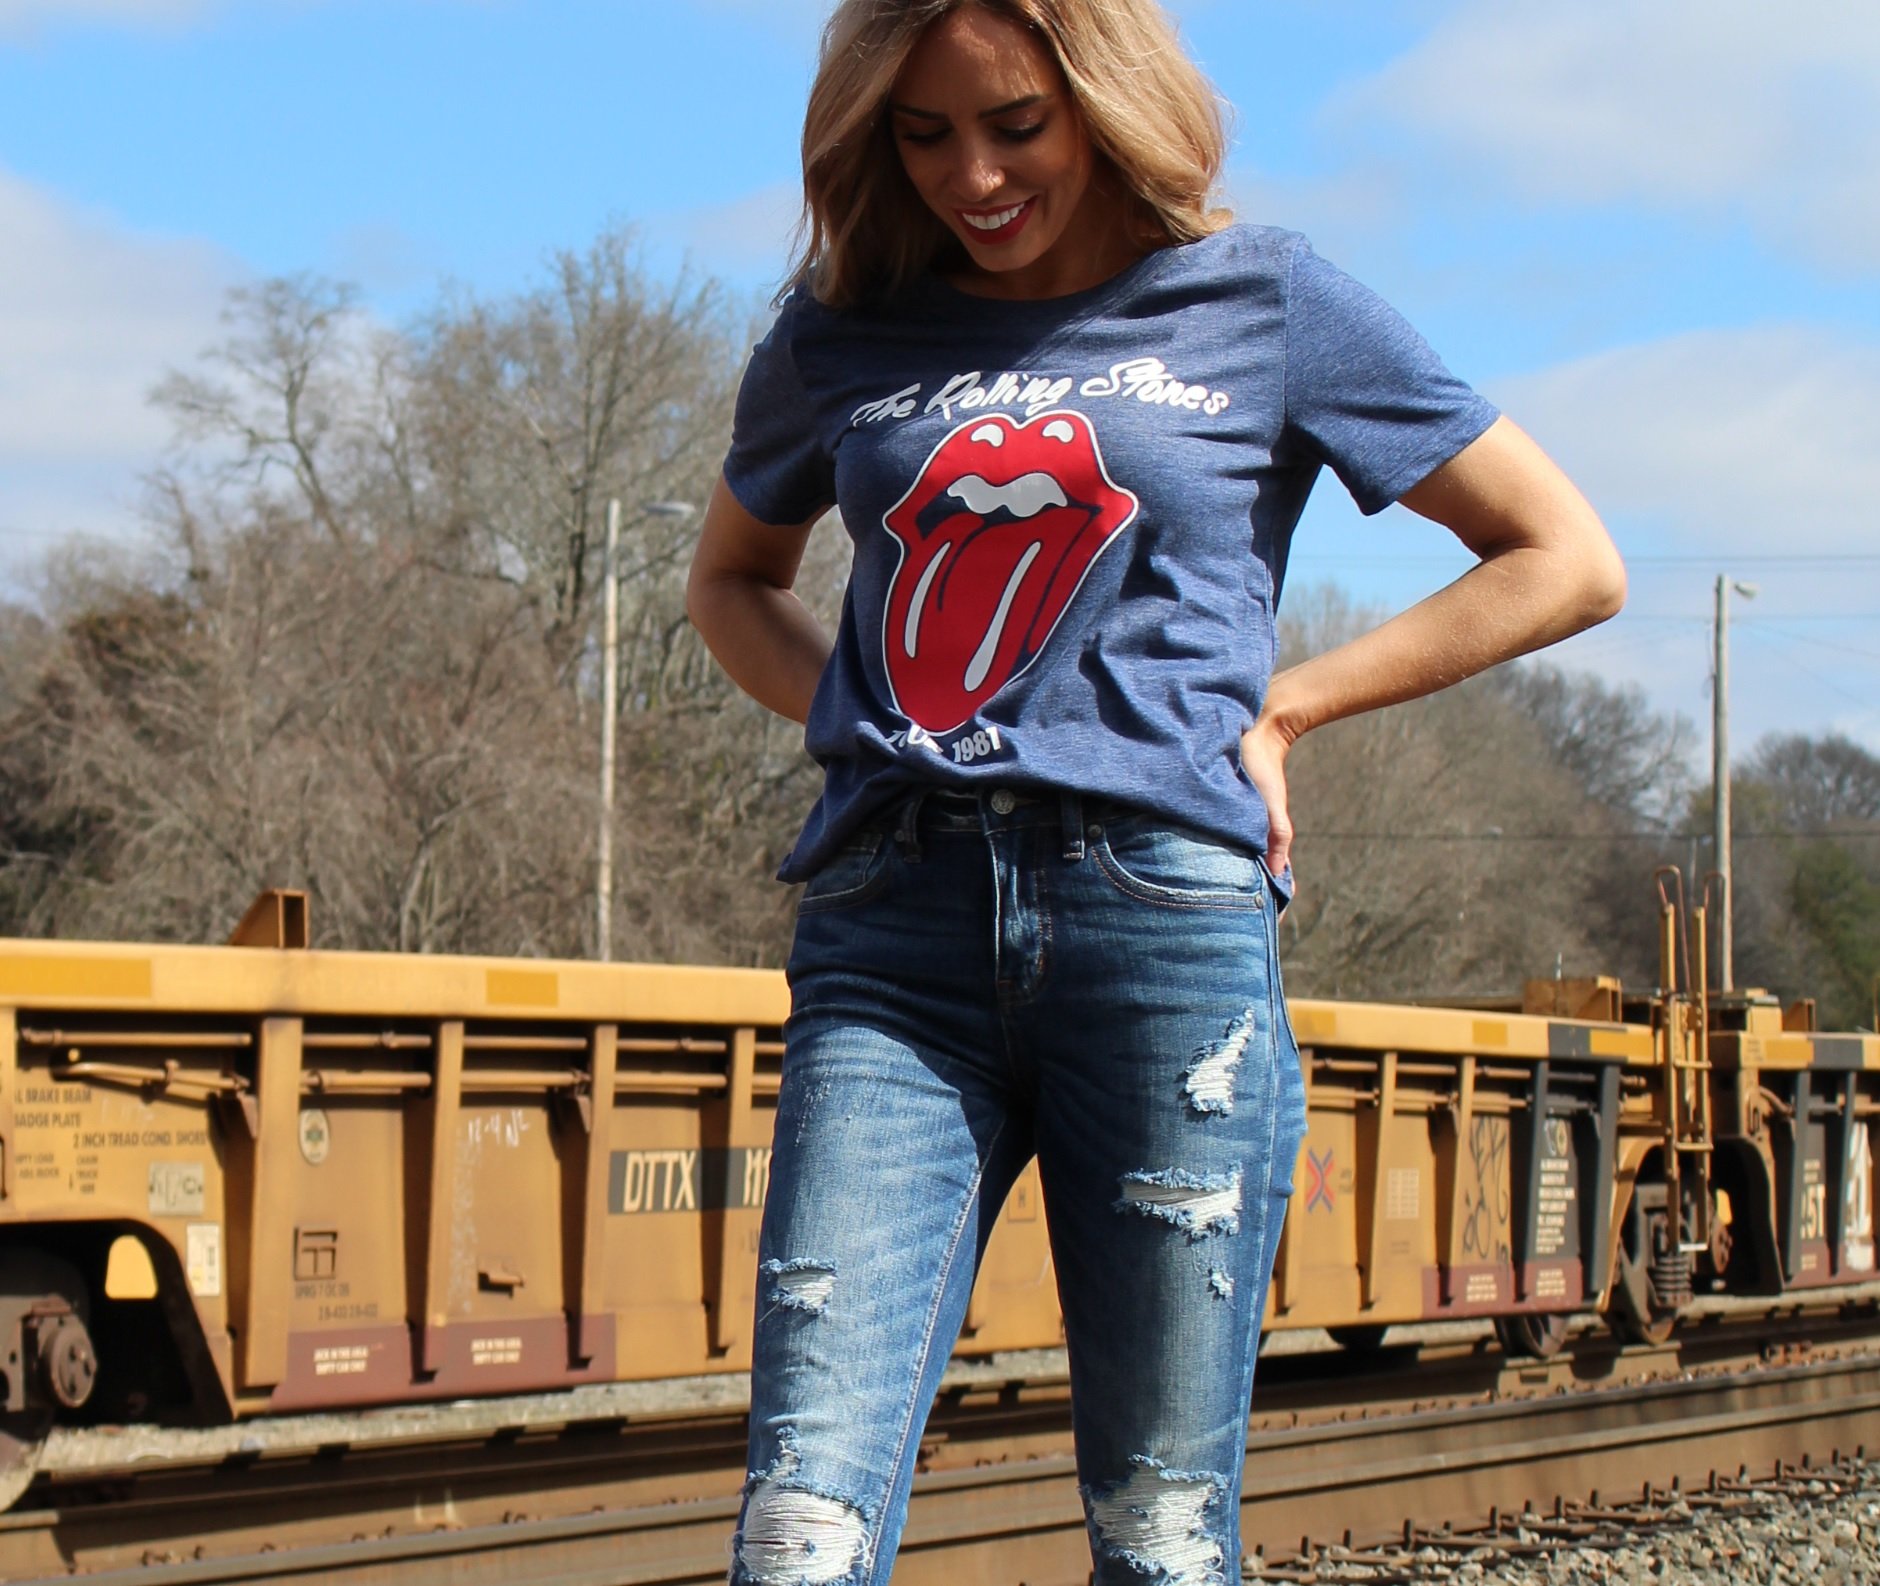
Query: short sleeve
(1364, 392)
(778, 467)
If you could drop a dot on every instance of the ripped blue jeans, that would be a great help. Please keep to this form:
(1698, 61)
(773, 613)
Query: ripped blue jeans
(982, 978)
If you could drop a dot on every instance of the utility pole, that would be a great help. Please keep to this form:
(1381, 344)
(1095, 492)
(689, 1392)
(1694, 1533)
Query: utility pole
(610, 674)
(1720, 773)
(610, 710)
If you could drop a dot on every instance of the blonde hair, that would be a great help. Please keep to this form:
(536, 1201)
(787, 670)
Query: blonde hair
(1146, 108)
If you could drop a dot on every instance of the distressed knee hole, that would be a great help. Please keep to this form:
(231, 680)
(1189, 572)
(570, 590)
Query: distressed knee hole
(795, 1538)
(1221, 1284)
(1156, 1522)
(1209, 1077)
(799, 1285)
(1197, 1203)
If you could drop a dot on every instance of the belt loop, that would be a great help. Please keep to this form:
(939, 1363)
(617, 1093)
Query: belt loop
(1071, 814)
(907, 827)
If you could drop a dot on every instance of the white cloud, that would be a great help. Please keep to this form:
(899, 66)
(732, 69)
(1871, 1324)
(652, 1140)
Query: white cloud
(1721, 106)
(1344, 213)
(28, 16)
(91, 317)
(1730, 445)
(1757, 439)
(745, 241)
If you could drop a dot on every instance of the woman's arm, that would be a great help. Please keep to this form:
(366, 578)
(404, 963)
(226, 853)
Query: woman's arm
(1548, 569)
(738, 596)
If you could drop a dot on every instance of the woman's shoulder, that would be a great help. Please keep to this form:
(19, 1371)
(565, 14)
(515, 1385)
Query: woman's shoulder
(804, 322)
(1242, 247)
(798, 311)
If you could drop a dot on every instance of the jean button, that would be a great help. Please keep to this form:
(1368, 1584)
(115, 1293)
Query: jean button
(1003, 803)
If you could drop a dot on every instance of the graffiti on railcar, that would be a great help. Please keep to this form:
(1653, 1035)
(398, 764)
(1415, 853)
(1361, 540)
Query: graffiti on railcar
(1487, 1204)
(1321, 1190)
(1859, 1240)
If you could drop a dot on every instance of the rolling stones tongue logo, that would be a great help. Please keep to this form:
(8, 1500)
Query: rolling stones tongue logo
(997, 534)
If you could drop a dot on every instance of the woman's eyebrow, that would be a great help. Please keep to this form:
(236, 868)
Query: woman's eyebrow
(997, 110)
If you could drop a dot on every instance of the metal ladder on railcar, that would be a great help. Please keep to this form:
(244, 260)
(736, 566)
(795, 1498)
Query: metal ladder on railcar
(1683, 1041)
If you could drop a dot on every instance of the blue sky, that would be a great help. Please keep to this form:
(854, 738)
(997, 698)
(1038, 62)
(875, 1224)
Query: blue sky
(1650, 228)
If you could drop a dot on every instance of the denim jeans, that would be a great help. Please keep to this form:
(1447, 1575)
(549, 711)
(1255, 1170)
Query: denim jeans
(981, 978)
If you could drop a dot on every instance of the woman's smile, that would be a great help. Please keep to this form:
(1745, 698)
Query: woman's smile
(998, 225)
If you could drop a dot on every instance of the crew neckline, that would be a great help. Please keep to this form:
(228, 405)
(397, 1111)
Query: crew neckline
(1132, 274)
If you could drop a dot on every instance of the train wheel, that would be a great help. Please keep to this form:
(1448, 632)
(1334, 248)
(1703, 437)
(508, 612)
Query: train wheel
(22, 1441)
(1654, 1275)
(46, 1358)
(1535, 1335)
(1361, 1339)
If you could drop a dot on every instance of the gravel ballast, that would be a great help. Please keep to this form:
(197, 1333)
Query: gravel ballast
(1820, 1526)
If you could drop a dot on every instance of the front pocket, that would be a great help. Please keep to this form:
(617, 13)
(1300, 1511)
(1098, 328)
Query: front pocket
(855, 873)
(1161, 862)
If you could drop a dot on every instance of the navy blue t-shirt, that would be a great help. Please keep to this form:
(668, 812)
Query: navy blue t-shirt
(1071, 516)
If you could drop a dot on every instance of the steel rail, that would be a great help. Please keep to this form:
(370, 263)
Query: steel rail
(974, 1523)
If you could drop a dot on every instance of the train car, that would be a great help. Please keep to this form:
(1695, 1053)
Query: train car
(256, 1178)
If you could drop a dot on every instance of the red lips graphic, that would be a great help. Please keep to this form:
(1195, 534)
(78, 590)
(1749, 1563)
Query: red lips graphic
(997, 534)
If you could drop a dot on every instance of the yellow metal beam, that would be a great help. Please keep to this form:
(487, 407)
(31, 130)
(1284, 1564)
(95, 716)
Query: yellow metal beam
(742, 1128)
(270, 1211)
(9, 1087)
(1380, 1178)
(241, 980)
(432, 1310)
(590, 1217)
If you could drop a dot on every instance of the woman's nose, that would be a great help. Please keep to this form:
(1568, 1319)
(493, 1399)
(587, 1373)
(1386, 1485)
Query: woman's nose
(978, 176)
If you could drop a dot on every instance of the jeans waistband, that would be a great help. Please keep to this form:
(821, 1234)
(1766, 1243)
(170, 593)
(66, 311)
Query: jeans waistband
(995, 808)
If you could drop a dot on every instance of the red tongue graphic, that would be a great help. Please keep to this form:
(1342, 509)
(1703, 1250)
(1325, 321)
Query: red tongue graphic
(997, 534)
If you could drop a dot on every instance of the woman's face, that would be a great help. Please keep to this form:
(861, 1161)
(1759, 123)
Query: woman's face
(992, 141)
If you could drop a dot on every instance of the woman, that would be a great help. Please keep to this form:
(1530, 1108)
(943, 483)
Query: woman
(1070, 416)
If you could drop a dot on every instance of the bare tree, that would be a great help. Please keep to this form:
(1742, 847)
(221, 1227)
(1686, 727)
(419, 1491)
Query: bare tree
(365, 664)
(1445, 847)
(533, 412)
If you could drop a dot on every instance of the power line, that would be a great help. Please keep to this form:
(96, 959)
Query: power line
(1828, 644)
(1768, 559)
(1761, 620)
(1583, 838)
(1641, 559)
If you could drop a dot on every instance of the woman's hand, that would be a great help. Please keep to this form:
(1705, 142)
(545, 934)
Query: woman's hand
(1263, 748)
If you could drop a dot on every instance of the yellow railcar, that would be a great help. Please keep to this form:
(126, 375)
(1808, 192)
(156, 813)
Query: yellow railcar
(257, 1178)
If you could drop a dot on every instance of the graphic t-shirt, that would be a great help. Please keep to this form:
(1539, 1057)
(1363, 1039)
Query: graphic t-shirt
(1071, 516)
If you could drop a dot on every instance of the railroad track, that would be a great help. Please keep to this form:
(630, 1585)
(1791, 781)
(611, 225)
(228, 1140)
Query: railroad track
(1444, 1431)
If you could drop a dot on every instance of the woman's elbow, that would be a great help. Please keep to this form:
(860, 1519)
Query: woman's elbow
(1602, 581)
(1600, 587)
(1591, 574)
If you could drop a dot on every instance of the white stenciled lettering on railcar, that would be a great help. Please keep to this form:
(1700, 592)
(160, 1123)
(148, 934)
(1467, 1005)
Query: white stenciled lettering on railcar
(495, 1351)
(203, 1259)
(756, 1176)
(176, 1189)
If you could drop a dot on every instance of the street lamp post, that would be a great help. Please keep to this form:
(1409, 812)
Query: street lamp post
(610, 685)
(1720, 772)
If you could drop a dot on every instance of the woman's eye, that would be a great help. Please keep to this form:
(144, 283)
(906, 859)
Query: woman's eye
(924, 139)
(1021, 134)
